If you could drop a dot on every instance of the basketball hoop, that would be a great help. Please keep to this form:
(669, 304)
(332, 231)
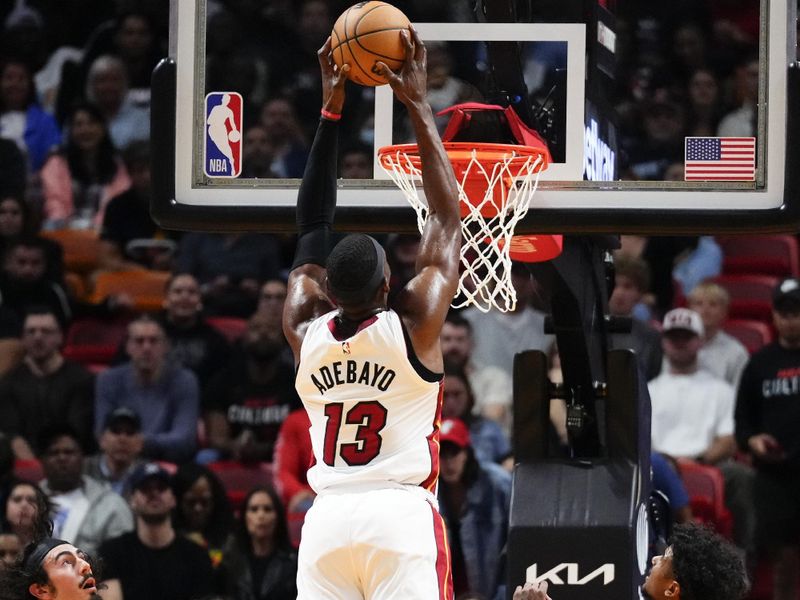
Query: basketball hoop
(496, 183)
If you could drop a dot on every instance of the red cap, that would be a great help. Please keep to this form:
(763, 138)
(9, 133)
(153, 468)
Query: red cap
(455, 431)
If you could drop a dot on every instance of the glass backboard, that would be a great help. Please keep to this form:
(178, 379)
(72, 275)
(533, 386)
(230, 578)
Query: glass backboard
(661, 117)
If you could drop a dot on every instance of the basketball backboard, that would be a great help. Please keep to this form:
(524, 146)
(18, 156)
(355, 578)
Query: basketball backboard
(640, 106)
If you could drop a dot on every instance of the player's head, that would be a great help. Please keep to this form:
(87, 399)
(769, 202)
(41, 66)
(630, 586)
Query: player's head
(49, 569)
(358, 274)
(698, 565)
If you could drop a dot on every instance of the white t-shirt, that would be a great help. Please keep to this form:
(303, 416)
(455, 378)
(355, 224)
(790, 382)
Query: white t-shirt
(689, 412)
(71, 508)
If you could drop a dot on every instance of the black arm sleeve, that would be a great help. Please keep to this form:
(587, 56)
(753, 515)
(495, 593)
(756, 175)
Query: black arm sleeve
(316, 200)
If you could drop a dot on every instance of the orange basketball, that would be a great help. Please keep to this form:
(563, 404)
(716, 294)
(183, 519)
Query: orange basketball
(366, 33)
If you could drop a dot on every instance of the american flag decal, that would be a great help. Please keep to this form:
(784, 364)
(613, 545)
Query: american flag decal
(720, 159)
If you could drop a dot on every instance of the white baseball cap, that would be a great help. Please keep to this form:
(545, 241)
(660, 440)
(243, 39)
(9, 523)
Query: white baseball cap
(683, 319)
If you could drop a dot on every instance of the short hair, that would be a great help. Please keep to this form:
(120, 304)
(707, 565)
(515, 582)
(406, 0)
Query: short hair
(456, 319)
(48, 436)
(709, 288)
(705, 565)
(43, 309)
(351, 267)
(634, 268)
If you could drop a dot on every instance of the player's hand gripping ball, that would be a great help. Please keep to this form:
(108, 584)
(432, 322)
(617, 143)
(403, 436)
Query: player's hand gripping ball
(366, 33)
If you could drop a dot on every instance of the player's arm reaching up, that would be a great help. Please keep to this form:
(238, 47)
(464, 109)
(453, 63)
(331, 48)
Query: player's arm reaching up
(316, 203)
(425, 300)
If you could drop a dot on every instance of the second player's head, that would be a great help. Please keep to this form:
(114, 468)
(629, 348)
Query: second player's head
(358, 274)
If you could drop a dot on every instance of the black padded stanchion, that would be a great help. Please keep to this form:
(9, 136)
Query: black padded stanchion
(581, 524)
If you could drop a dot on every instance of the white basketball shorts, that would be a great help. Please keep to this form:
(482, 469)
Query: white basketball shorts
(385, 544)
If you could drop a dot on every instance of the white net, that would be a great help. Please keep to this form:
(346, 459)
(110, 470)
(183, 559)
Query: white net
(494, 195)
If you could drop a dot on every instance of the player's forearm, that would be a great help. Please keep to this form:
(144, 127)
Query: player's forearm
(439, 182)
(316, 200)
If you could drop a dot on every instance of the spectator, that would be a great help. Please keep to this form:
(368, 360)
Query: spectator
(270, 306)
(356, 162)
(257, 153)
(491, 385)
(474, 501)
(721, 354)
(489, 442)
(80, 180)
(165, 396)
(631, 282)
(10, 549)
(692, 409)
(499, 336)
(45, 389)
(444, 89)
(193, 342)
(85, 510)
(229, 268)
(27, 280)
(121, 444)
(153, 561)
(285, 134)
(22, 120)
(16, 221)
(127, 219)
(741, 122)
(767, 422)
(260, 563)
(704, 103)
(107, 87)
(293, 456)
(664, 129)
(246, 403)
(202, 513)
(26, 512)
(693, 416)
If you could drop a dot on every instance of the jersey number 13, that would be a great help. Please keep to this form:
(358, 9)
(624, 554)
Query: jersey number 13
(370, 418)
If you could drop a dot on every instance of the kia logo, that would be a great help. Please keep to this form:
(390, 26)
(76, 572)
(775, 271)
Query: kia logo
(572, 570)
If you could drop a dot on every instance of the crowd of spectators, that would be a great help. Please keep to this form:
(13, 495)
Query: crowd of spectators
(129, 446)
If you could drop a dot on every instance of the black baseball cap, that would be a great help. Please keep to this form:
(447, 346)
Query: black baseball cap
(122, 415)
(147, 472)
(786, 296)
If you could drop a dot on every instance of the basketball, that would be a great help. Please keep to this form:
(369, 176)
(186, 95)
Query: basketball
(366, 33)
(234, 136)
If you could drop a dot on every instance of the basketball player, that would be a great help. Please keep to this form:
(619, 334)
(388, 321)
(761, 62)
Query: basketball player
(370, 377)
(50, 569)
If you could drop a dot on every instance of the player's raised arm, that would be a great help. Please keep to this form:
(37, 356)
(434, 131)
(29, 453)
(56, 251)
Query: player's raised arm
(316, 203)
(426, 299)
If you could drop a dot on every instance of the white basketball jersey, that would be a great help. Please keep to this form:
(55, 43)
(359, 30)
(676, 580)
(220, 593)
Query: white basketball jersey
(375, 411)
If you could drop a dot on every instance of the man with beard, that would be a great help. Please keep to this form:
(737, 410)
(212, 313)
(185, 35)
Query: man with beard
(246, 403)
(164, 395)
(50, 568)
(45, 389)
(154, 562)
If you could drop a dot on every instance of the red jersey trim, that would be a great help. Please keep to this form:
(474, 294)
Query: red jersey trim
(443, 572)
(433, 444)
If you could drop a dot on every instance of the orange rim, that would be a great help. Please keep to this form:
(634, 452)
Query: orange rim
(460, 153)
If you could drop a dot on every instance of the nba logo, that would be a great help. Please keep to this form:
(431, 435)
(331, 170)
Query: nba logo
(223, 131)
